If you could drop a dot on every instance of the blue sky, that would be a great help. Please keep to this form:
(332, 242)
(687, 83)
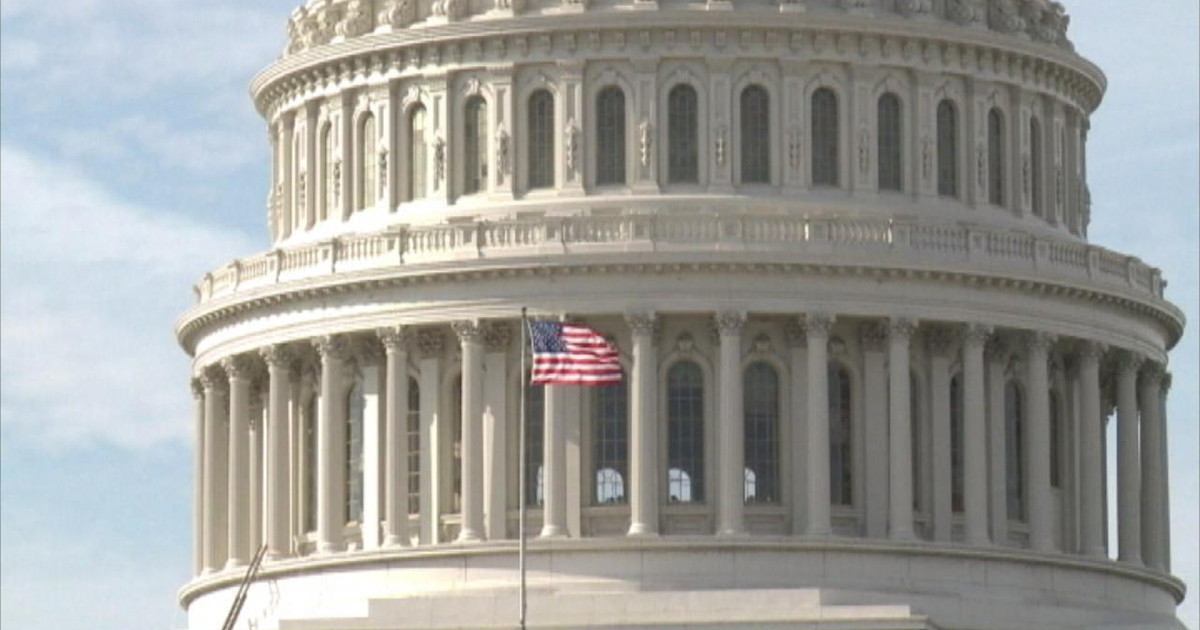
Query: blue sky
(131, 161)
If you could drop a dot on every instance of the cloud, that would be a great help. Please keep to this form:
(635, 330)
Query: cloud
(91, 287)
(132, 139)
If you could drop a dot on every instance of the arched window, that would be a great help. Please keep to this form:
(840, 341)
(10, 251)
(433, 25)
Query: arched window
(299, 209)
(1014, 450)
(1055, 440)
(1035, 159)
(475, 158)
(996, 156)
(761, 425)
(756, 135)
(414, 446)
(683, 132)
(685, 433)
(610, 424)
(825, 138)
(535, 414)
(366, 162)
(915, 427)
(841, 463)
(328, 158)
(417, 158)
(956, 443)
(891, 142)
(541, 139)
(356, 405)
(947, 149)
(610, 136)
(310, 464)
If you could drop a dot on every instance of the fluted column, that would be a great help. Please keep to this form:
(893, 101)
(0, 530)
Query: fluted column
(939, 341)
(730, 433)
(554, 463)
(331, 447)
(431, 345)
(797, 340)
(1153, 467)
(198, 474)
(216, 468)
(1129, 469)
(470, 336)
(873, 337)
(900, 505)
(395, 491)
(254, 482)
(1037, 442)
(643, 472)
(818, 327)
(238, 370)
(277, 503)
(975, 462)
(1091, 452)
(997, 356)
(497, 344)
(1165, 460)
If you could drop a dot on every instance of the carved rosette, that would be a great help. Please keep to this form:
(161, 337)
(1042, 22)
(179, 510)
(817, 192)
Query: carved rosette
(645, 141)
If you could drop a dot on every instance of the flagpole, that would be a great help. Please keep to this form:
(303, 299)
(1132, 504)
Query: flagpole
(521, 467)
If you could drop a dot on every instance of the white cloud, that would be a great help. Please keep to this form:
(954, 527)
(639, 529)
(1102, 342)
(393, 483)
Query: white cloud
(133, 139)
(91, 286)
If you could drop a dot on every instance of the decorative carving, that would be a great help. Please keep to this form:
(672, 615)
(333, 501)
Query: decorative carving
(394, 337)
(331, 346)
(237, 367)
(855, 5)
(981, 166)
(644, 141)
(336, 167)
(1129, 361)
(497, 337)
(910, 8)
(730, 323)
(213, 379)
(902, 327)
(571, 148)
(383, 171)
(1153, 374)
(431, 343)
(685, 344)
(301, 189)
(873, 336)
(1059, 187)
(964, 12)
(439, 161)
(502, 152)
(864, 151)
(399, 13)
(927, 159)
(795, 334)
(449, 9)
(1005, 17)
(795, 138)
(1039, 341)
(939, 340)
(720, 143)
(357, 20)
(1026, 183)
(762, 344)
(197, 388)
(641, 323)
(467, 331)
(976, 335)
(276, 356)
(996, 350)
(1091, 350)
(818, 323)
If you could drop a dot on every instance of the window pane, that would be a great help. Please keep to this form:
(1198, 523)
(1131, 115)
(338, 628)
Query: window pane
(355, 407)
(610, 136)
(416, 154)
(914, 417)
(475, 146)
(541, 139)
(456, 429)
(683, 162)
(956, 443)
(890, 143)
(756, 141)
(414, 447)
(610, 406)
(825, 138)
(310, 465)
(685, 433)
(947, 149)
(841, 475)
(534, 419)
(1035, 149)
(761, 425)
(366, 163)
(996, 177)
(328, 205)
(1014, 451)
(1055, 441)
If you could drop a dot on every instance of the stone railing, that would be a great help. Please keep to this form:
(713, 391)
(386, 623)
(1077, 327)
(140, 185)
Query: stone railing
(638, 238)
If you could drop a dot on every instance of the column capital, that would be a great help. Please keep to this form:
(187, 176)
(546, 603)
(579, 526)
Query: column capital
(795, 334)
(238, 367)
(1153, 373)
(468, 331)
(873, 336)
(1166, 380)
(996, 349)
(976, 335)
(939, 340)
(1036, 340)
(819, 323)
(1128, 362)
(394, 337)
(276, 356)
(431, 343)
(213, 379)
(730, 323)
(642, 324)
(331, 346)
(197, 387)
(902, 326)
(1091, 349)
(497, 336)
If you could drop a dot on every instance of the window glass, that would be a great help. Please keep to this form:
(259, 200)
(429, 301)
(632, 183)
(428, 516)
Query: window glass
(610, 136)
(1035, 159)
(366, 163)
(535, 412)
(947, 149)
(685, 433)
(414, 446)
(761, 425)
(956, 443)
(1014, 450)
(890, 143)
(825, 138)
(841, 463)
(417, 154)
(756, 139)
(355, 408)
(996, 157)
(541, 139)
(683, 136)
(475, 146)
(610, 406)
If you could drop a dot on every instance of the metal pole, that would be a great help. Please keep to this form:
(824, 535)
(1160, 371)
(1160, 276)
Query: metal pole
(521, 475)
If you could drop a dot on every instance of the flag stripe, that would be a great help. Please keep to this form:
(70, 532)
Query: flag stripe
(567, 354)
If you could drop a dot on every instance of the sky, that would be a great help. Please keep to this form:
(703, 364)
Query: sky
(132, 161)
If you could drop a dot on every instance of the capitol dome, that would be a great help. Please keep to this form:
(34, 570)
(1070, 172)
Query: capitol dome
(869, 353)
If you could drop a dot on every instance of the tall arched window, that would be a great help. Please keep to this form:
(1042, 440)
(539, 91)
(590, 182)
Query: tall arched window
(366, 162)
(761, 425)
(685, 433)
(1014, 450)
(356, 405)
(683, 136)
(299, 205)
(310, 464)
(956, 443)
(841, 462)
(535, 414)
(1055, 440)
(414, 446)
(329, 180)
(541, 139)
(475, 158)
(890, 143)
(996, 156)
(756, 135)
(825, 138)
(610, 455)
(947, 149)
(417, 157)
(610, 136)
(1035, 166)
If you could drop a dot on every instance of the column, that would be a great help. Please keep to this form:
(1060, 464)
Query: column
(238, 370)
(818, 326)
(1153, 467)
(470, 336)
(873, 337)
(498, 343)
(554, 464)
(198, 474)
(939, 342)
(997, 363)
(1091, 452)
(395, 491)
(255, 480)
(430, 343)
(1037, 442)
(900, 506)
(216, 462)
(277, 505)
(975, 493)
(331, 446)
(1166, 466)
(731, 435)
(1129, 469)
(374, 389)
(797, 340)
(643, 471)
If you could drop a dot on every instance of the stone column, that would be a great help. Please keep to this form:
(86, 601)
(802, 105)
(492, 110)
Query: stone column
(975, 463)
(873, 337)
(819, 522)
(498, 342)
(1037, 442)
(277, 504)
(997, 363)
(395, 491)
(554, 463)
(254, 494)
(430, 343)
(1164, 392)
(1129, 468)
(470, 336)
(1091, 452)
(1153, 467)
(216, 467)
(797, 339)
(238, 370)
(198, 474)
(643, 470)
(900, 506)
(331, 446)
(939, 342)
(731, 435)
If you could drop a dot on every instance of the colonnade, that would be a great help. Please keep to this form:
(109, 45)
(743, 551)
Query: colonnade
(247, 409)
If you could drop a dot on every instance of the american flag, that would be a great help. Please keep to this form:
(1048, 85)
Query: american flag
(567, 354)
